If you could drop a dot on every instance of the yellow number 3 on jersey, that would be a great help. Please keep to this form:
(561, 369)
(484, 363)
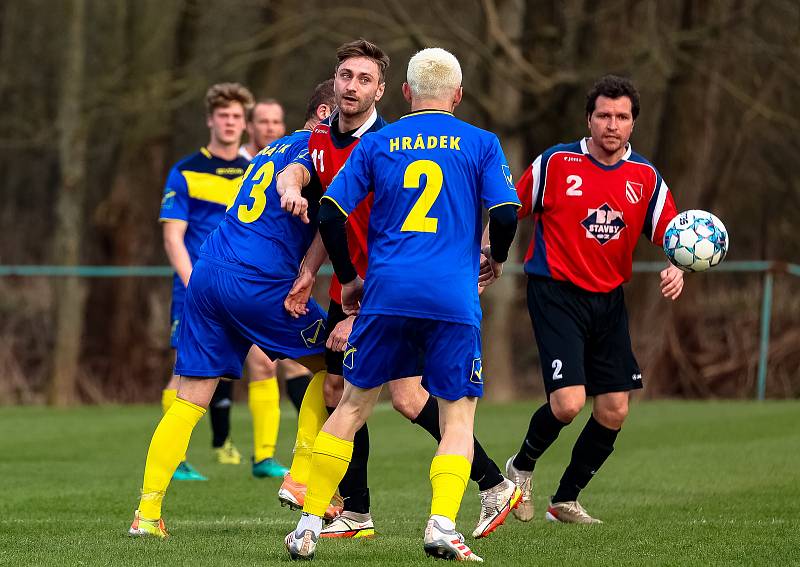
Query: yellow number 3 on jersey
(418, 219)
(261, 180)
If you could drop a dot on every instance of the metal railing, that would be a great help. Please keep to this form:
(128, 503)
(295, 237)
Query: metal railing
(768, 268)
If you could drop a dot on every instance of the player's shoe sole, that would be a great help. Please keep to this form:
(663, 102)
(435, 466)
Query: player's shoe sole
(293, 494)
(147, 528)
(500, 513)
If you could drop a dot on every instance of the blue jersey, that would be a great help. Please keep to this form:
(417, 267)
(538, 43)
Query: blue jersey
(431, 173)
(256, 236)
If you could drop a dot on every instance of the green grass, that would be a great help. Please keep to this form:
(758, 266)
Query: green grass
(689, 484)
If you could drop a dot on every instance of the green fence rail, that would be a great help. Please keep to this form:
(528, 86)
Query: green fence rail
(769, 269)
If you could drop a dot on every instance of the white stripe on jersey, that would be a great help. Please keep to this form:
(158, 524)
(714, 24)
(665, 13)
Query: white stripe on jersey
(662, 196)
(536, 171)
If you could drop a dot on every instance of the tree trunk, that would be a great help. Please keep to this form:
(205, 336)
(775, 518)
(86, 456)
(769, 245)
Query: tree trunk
(72, 134)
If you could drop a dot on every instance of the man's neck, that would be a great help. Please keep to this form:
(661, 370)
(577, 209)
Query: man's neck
(431, 104)
(348, 123)
(251, 148)
(227, 152)
(598, 153)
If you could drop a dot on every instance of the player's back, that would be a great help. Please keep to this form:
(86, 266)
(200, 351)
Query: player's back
(430, 173)
(256, 236)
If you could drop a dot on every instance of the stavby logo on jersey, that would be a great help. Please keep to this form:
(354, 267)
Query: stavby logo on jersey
(507, 175)
(349, 356)
(313, 333)
(603, 224)
(477, 372)
(633, 192)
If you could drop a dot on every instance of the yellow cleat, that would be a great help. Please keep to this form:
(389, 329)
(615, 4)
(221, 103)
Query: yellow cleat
(142, 527)
(228, 454)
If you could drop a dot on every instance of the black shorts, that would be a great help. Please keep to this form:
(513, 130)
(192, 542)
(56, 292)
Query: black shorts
(333, 359)
(583, 338)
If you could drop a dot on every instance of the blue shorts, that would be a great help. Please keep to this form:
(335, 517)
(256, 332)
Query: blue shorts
(226, 312)
(385, 347)
(176, 311)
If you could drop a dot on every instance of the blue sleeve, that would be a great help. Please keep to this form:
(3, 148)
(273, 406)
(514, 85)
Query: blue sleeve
(175, 202)
(353, 182)
(298, 154)
(496, 185)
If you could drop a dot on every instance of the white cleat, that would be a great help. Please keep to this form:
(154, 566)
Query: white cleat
(524, 511)
(350, 525)
(496, 503)
(569, 513)
(301, 545)
(447, 544)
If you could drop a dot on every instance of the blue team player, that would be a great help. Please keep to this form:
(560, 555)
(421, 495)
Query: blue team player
(235, 300)
(431, 174)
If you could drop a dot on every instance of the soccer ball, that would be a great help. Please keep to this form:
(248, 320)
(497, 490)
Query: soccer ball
(695, 241)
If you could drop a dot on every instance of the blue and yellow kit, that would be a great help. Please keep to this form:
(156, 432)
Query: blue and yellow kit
(431, 175)
(246, 267)
(198, 190)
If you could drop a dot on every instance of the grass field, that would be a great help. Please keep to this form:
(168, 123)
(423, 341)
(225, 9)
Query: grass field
(690, 484)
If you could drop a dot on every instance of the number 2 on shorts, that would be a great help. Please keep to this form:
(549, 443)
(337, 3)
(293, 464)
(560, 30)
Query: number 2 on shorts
(557, 366)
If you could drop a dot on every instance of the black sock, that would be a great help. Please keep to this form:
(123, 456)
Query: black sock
(542, 432)
(353, 487)
(219, 413)
(593, 447)
(484, 471)
(296, 389)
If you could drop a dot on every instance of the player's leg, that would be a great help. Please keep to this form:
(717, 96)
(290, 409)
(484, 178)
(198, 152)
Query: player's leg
(611, 372)
(264, 404)
(219, 413)
(560, 319)
(297, 379)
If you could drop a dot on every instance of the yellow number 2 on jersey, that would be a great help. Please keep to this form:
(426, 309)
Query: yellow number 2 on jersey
(418, 219)
(261, 180)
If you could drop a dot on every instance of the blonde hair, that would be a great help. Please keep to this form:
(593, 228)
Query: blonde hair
(223, 94)
(433, 73)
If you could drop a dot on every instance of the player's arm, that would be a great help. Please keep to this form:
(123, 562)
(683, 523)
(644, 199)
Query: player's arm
(500, 234)
(289, 184)
(174, 232)
(332, 229)
(297, 300)
(661, 209)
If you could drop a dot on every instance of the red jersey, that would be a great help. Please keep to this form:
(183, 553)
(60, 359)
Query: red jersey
(588, 216)
(329, 151)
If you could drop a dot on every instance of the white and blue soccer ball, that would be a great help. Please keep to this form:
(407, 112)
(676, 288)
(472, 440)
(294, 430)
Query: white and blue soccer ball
(695, 241)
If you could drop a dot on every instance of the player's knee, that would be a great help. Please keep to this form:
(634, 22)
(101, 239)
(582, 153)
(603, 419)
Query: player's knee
(611, 417)
(567, 410)
(405, 406)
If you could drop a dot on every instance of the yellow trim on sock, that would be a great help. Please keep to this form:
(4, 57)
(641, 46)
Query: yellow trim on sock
(312, 416)
(167, 447)
(449, 476)
(264, 403)
(329, 461)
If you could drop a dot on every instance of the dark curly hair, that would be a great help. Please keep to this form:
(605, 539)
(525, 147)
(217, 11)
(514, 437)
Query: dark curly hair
(613, 86)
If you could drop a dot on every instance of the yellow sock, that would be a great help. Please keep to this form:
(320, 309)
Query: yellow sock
(330, 459)
(313, 415)
(449, 477)
(264, 402)
(168, 396)
(168, 445)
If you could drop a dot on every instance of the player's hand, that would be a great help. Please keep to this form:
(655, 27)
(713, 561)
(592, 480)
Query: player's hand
(490, 270)
(671, 282)
(295, 204)
(351, 296)
(337, 340)
(296, 302)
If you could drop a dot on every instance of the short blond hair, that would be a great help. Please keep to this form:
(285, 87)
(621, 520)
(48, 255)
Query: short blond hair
(223, 94)
(433, 73)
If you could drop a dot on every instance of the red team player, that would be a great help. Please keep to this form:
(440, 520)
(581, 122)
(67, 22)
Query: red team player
(359, 84)
(590, 201)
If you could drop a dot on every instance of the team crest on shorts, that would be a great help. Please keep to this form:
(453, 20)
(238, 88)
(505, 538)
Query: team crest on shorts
(349, 356)
(311, 334)
(477, 372)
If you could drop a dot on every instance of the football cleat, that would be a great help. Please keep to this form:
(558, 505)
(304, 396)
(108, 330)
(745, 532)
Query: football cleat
(147, 528)
(496, 503)
(569, 513)
(293, 494)
(185, 471)
(301, 545)
(350, 525)
(228, 454)
(524, 510)
(268, 468)
(446, 544)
